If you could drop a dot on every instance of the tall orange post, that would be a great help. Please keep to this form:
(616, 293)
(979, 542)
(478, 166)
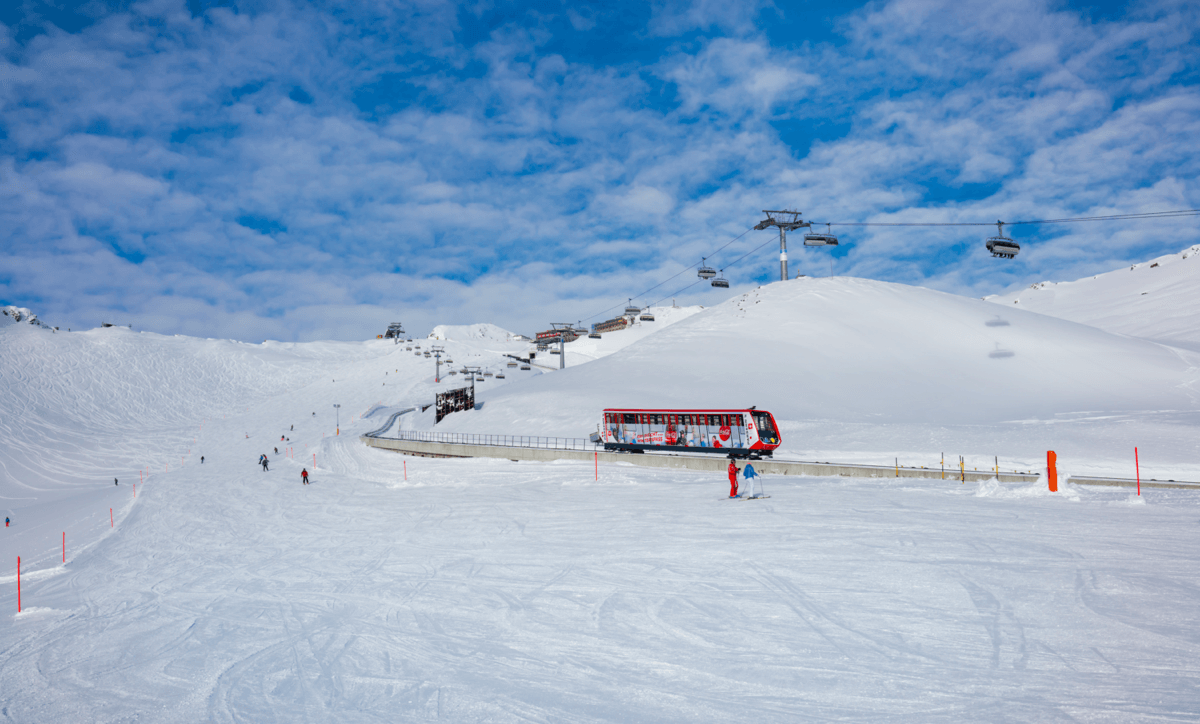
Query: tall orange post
(1052, 470)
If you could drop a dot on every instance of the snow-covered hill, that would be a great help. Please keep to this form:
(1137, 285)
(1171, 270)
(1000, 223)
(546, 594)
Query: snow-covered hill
(585, 349)
(471, 333)
(861, 370)
(857, 350)
(1155, 300)
(405, 589)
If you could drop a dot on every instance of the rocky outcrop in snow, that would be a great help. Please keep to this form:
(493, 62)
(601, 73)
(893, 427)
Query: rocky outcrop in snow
(20, 315)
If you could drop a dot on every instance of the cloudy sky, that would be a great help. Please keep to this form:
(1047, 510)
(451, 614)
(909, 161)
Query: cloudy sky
(297, 171)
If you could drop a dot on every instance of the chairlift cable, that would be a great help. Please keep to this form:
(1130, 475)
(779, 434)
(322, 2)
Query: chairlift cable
(664, 281)
(1113, 217)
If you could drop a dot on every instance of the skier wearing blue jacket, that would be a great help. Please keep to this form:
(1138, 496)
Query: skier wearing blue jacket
(749, 474)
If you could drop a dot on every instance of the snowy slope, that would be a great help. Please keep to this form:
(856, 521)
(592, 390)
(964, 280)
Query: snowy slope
(857, 350)
(471, 332)
(404, 589)
(585, 350)
(857, 370)
(1155, 300)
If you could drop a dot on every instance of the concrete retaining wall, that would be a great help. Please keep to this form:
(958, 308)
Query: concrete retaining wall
(712, 463)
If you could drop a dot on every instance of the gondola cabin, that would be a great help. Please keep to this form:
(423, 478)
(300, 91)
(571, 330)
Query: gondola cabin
(740, 433)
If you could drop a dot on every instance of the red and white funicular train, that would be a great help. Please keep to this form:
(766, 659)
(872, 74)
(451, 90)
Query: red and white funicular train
(740, 433)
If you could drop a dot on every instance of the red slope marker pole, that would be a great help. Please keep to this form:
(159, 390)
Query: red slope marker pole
(135, 490)
(406, 471)
(1052, 470)
(1138, 467)
(314, 461)
(18, 584)
(597, 465)
(110, 519)
(64, 546)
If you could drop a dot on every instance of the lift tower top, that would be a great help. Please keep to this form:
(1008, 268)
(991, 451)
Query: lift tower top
(786, 221)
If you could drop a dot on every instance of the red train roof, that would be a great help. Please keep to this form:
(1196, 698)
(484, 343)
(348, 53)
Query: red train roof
(676, 411)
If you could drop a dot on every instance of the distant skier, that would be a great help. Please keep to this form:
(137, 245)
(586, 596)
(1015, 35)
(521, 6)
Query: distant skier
(733, 473)
(6, 521)
(276, 451)
(292, 428)
(750, 475)
(304, 476)
(116, 482)
(201, 459)
(281, 438)
(266, 464)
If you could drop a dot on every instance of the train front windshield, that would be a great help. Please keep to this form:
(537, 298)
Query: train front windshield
(766, 430)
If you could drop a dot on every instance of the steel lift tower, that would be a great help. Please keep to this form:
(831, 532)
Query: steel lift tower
(786, 221)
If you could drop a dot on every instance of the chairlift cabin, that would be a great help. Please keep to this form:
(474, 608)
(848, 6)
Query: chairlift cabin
(826, 239)
(705, 271)
(647, 317)
(453, 372)
(721, 282)
(554, 351)
(479, 379)
(499, 375)
(1001, 245)
(524, 367)
(487, 374)
(512, 364)
(594, 335)
(632, 310)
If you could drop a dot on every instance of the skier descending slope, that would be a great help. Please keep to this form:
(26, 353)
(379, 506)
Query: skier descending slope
(304, 476)
(733, 473)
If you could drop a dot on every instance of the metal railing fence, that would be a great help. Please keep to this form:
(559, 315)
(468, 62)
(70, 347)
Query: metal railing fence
(526, 441)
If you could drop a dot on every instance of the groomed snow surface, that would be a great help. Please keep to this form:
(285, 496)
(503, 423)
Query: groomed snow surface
(409, 589)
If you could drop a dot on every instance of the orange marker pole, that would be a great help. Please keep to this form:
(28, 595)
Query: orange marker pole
(405, 471)
(597, 454)
(110, 519)
(64, 546)
(18, 584)
(1052, 470)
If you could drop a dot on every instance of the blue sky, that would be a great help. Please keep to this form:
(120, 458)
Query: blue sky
(303, 171)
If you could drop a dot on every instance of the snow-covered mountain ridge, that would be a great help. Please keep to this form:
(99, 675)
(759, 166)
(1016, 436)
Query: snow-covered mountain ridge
(1155, 300)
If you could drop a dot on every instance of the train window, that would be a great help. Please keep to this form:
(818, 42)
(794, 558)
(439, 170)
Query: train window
(630, 419)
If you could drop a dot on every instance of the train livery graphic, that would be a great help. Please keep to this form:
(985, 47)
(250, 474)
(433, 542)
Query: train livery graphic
(740, 433)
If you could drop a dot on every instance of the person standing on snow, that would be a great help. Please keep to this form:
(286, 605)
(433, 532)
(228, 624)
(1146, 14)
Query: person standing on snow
(116, 482)
(750, 475)
(201, 459)
(6, 521)
(304, 476)
(733, 473)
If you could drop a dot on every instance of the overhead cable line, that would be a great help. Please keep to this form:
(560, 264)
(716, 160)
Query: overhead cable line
(1114, 217)
(664, 281)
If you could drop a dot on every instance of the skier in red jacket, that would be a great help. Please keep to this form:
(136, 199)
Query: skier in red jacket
(733, 473)
(304, 476)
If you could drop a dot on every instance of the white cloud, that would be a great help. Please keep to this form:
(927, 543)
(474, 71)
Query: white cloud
(511, 183)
